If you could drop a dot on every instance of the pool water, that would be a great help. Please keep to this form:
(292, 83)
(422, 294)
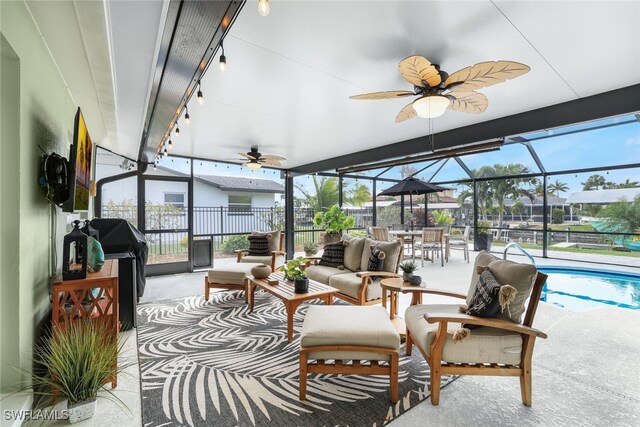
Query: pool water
(581, 289)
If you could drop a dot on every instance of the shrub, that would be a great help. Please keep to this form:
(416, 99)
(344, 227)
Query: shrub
(310, 248)
(234, 243)
(557, 216)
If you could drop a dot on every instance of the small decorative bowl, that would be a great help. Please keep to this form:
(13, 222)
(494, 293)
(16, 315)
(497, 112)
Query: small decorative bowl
(415, 280)
(261, 271)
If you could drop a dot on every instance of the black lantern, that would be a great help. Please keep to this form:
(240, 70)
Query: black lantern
(74, 254)
(90, 231)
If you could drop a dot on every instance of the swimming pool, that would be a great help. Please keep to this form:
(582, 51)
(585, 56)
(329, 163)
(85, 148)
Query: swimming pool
(580, 289)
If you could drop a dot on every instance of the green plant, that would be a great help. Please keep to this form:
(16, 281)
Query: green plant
(483, 227)
(408, 266)
(358, 233)
(310, 248)
(334, 220)
(234, 243)
(442, 218)
(557, 216)
(79, 359)
(293, 269)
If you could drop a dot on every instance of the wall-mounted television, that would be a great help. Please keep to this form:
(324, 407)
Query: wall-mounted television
(80, 166)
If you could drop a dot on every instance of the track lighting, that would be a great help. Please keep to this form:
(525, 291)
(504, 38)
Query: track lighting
(263, 7)
(223, 59)
(187, 119)
(200, 95)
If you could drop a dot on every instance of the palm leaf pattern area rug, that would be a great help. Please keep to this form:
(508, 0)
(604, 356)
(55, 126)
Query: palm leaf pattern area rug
(214, 363)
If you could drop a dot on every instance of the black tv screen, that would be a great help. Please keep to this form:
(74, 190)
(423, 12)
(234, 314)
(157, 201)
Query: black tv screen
(80, 166)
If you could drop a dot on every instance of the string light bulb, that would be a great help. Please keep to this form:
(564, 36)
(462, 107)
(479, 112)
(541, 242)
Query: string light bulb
(165, 152)
(223, 60)
(177, 132)
(200, 95)
(263, 7)
(170, 143)
(187, 119)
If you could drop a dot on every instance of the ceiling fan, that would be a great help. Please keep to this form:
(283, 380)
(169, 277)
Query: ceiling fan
(257, 159)
(437, 90)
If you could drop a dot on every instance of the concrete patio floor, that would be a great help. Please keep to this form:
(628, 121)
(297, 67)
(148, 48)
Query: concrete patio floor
(585, 373)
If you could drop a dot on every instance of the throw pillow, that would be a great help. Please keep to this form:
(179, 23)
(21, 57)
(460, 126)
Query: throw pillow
(274, 241)
(483, 259)
(376, 260)
(521, 277)
(333, 255)
(353, 253)
(259, 245)
(391, 250)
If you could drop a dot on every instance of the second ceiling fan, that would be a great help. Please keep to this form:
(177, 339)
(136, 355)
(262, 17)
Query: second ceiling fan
(437, 90)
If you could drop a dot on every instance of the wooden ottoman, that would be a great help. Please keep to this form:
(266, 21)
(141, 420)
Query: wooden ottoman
(231, 276)
(343, 333)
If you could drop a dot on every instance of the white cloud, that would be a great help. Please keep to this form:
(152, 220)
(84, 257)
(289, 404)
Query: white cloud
(634, 140)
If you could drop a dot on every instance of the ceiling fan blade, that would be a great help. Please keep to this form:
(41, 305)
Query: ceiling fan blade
(406, 113)
(245, 156)
(383, 95)
(468, 102)
(271, 157)
(270, 162)
(417, 70)
(485, 74)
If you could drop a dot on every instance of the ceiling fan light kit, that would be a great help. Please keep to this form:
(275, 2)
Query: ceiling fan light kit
(256, 159)
(253, 165)
(431, 106)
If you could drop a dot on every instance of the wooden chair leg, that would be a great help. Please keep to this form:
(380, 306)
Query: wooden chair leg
(303, 376)
(408, 343)
(393, 377)
(435, 385)
(525, 385)
(206, 289)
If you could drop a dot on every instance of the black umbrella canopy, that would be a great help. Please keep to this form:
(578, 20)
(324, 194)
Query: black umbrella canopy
(412, 186)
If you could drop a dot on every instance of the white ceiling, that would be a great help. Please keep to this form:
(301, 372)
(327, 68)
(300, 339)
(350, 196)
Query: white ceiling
(105, 53)
(290, 74)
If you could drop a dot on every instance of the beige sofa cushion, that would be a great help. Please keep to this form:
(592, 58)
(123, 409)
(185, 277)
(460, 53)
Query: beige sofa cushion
(353, 252)
(348, 325)
(274, 241)
(231, 274)
(521, 277)
(483, 259)
(390, 249)
(349, 284)
(322, 273)
(484, 345)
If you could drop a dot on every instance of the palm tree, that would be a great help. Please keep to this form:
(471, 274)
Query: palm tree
(518, 208)
(622, 216)
(325, 193)
(557, 188)
(628, 184)
(356, 196)
(594, 182)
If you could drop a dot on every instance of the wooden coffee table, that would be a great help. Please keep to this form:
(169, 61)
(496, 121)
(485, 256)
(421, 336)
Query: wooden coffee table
(285, 291)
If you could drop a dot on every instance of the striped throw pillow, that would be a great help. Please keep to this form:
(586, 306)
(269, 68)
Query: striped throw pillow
(333, 255)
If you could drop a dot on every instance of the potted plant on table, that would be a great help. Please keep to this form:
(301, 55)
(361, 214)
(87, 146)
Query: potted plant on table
(408, 267)
(79, 359)
(294, 270)
(484, 236)
(335, 222)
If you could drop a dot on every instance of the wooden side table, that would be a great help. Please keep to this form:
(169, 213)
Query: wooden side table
(394, 286)
(94, 297)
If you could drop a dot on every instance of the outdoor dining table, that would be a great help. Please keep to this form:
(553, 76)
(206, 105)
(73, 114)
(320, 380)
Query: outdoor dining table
(401, 234)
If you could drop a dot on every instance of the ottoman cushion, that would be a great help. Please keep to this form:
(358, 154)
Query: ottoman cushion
(340, 325)
(232, 274)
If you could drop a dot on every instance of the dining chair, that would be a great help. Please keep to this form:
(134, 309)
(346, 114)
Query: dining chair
(459, 242)
(380, 233)
(432, 240)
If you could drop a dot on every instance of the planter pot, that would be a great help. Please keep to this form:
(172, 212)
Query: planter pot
(415, 280)
(260, 271)
(301, 286)
(484, 241)
(82, 410)
(407, 276)
(332, 237)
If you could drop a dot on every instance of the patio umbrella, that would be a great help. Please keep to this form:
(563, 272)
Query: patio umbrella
(412, 186)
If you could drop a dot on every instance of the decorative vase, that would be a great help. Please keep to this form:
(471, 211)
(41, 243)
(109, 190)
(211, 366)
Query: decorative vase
(301, 286)
(415, 280)
(82, 410)
(407, 276)
(332, 237)
(260, 271)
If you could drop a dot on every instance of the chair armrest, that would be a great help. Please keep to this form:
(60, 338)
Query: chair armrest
(276, 253)
(241, 251)
(443, 293)
(480, 321)
(377, 274)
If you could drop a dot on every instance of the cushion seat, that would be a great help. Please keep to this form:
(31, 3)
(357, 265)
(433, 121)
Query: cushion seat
(322, 273)
(349, 325)
(484, 345)
(265, 259)
(231, 274)
(349, 284)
